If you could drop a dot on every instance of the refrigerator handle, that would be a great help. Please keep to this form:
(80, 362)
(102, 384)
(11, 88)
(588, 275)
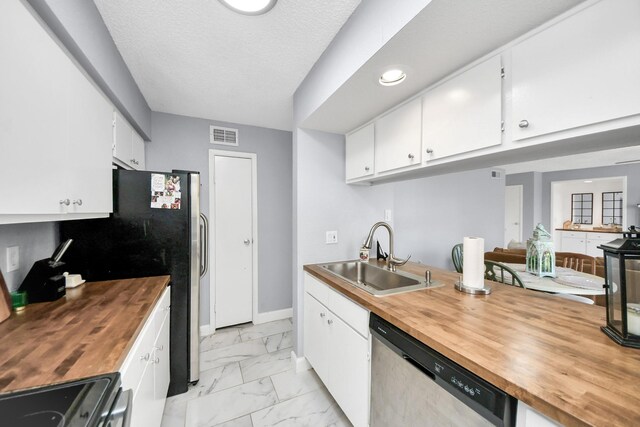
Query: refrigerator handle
(204, 245)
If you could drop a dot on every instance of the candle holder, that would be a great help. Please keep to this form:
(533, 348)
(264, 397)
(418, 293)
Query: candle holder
(541, 256)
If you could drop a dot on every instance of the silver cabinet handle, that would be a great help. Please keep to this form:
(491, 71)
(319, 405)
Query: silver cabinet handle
(523, 124)
(145, 357)
(78, 202)
(65, 202)
(160, 348)
(135, 162)
(247, 241)
(410, 156)
(330, 322)
(322, 314)
(429, 150)
(366, 168)
(156, 360)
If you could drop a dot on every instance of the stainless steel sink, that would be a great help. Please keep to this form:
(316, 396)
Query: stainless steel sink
(378, 281)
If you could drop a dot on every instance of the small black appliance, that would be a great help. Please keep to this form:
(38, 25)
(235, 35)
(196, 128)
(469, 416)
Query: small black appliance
(45, 281)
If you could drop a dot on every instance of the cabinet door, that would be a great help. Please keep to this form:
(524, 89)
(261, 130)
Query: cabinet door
(143, 403)
(573, 244)
(122, 140)
(33, 94)
(349, 370)
(316, 336)
(464, 113)
(398, 137)
(88, 160)
(581, 71)
(359, 153)
(137, 151)
(160, 363)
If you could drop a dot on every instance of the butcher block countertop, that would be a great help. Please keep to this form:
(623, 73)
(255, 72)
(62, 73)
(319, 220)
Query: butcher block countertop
(545, 351)
(88, 332)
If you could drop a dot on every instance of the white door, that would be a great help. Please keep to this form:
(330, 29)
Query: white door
(233, 239)
(512, 214)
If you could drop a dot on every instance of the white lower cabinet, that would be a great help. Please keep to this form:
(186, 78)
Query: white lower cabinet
(146, 368)
(583, 242)
(337, 345)
(526, 416)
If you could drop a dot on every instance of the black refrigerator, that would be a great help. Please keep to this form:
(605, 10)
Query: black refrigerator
(156, 229)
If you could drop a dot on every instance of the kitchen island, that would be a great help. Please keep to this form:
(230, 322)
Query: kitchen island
(88, 332)
(545, 351)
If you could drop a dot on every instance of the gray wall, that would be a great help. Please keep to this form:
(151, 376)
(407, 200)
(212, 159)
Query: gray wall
(183, 143)
(531, 199)
(79, 26)
(433, 214)
(36, 241)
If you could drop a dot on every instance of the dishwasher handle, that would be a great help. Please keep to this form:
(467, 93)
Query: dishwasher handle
(418, 366)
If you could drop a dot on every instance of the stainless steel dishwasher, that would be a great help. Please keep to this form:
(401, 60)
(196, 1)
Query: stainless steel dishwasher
(413, 385)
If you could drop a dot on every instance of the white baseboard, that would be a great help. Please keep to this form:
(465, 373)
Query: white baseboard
(299, 364)
(206, 330)
(270, 316)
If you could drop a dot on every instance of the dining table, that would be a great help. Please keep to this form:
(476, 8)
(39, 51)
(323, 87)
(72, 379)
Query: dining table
(566, 281)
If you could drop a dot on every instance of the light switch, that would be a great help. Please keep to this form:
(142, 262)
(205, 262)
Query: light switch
(13, 258)
(388, 215)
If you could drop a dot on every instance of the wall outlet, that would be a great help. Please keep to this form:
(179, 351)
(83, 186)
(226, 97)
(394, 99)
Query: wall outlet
(13, 258)
(331, 237)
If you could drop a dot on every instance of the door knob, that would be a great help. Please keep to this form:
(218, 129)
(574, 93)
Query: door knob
(247, 241)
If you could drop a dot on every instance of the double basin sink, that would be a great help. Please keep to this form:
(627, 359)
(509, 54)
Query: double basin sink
(376, 280)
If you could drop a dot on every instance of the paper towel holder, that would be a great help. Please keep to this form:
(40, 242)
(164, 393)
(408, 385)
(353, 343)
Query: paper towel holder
(486, 290)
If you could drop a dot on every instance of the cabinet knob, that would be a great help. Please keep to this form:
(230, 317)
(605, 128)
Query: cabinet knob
(145, 357)
(366, 168)
(246, 242)
(322, 314)
(156, 360)
(134, 161)
(330, 322)
(410, 156)
(160, 348)
(65, 202)
(523, 124)
(78, 202)
(429, 150)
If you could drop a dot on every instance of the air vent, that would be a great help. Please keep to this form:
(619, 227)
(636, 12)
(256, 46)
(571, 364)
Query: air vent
(223, 136)
(496, 174)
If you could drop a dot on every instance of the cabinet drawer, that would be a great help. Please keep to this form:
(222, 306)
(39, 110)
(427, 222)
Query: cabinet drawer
(603, 237)
(317, 289)
(162, 309)
(574, 235)
(352, 314)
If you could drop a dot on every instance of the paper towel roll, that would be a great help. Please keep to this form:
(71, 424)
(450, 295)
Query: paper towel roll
(473, 262)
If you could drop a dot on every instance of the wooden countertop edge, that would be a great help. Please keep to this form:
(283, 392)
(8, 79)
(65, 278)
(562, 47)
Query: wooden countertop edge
(578, 230)
(564, 414)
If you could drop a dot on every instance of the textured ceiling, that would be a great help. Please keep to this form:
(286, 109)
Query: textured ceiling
(198, 58)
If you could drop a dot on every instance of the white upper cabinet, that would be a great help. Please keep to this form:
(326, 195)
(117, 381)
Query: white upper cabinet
(359, 153)
(128, 146)
(581, 71)
(54, 127)
(464, 113)
(398, 137)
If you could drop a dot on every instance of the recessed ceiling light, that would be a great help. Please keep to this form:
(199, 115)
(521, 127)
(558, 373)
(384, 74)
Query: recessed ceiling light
(392, 77)
(249, 7)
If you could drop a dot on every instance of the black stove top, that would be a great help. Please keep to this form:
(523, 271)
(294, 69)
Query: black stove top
(77, 403)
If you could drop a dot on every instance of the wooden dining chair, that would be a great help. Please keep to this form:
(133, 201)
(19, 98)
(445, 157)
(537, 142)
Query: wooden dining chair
(576, 261)
(501, 273)
(456, 257)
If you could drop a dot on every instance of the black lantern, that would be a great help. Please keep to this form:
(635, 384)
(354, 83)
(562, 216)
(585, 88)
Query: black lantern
(622, 284)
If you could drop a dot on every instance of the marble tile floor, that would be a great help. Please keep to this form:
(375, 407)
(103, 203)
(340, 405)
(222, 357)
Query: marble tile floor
(247, 379)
